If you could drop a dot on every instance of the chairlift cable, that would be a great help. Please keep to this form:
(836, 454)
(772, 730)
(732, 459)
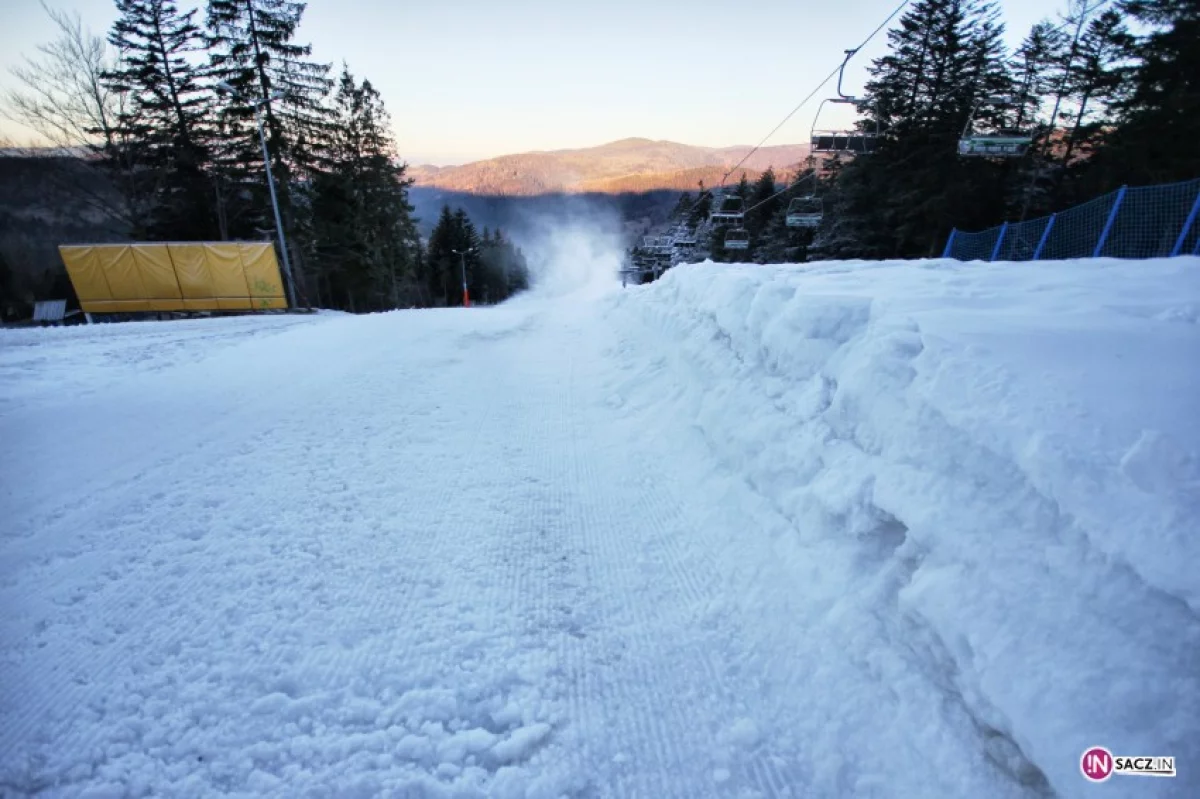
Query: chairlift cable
(1087, 10)
(784, 190)
(813, 93)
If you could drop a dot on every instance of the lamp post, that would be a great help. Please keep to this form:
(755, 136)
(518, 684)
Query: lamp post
(462, 254)
(257, 106)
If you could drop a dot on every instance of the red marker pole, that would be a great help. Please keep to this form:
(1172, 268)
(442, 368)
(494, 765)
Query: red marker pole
(462, 254)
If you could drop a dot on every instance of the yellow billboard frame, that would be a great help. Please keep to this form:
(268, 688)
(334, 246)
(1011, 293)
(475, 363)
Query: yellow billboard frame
(175, 276)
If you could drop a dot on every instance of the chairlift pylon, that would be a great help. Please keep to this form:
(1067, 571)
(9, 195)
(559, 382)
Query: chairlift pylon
(1001, 143)
(856, 142)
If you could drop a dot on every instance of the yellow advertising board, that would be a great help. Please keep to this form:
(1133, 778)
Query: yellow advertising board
(174, 276)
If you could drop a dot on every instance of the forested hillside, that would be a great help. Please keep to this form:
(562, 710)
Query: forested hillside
(1107, 96)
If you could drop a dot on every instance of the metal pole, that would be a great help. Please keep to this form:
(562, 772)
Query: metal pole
(999, 241)
(1191, 217)
(287, 264)
(1045, 235)
(1112, 217)
(466, 298)
(950, 243)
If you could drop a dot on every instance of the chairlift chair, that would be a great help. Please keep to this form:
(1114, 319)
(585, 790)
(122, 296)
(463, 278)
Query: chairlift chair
(805, 212)
(731, 210)
(855, 142)
(1002, 143)
(737, 239)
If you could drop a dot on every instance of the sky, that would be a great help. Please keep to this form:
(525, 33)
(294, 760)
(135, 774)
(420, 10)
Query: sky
(474, 79)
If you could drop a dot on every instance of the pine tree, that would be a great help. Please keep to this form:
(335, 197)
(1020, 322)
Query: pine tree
(504, 271)
(252, 49)
(743, 187)
(453, 234)
(763, 202)
(700, 209)
(366, 237)
(440, 257)
(683, 207)
(163, 125)
(1093, 83)
(1035, 72)
(1159, 117)
(903, 199)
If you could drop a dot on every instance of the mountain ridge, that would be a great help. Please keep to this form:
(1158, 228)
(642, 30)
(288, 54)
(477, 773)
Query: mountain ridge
(633, 163)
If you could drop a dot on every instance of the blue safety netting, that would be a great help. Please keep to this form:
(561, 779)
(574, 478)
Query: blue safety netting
(1143, 222)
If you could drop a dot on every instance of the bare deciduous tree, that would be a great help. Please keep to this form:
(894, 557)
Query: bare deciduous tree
(61, 93)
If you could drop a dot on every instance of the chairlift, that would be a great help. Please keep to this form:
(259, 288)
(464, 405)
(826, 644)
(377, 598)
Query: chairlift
(731, 210)
(1002, 143)
(805, 212)
(737, 239)
(855, 142)
(656, 245)
(684, 237)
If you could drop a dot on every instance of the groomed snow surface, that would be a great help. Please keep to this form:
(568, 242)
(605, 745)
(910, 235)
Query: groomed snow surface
(911, 529)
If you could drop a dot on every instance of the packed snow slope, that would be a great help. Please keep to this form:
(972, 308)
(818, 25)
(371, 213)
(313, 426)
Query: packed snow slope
(912, 529)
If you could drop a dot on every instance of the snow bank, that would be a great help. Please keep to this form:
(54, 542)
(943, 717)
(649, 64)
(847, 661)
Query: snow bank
(999, 463)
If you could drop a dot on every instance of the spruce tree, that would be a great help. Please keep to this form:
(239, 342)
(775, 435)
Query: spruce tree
(504, 271)
(365, 232)
(1159, 117)
(763, 202)
(683, 208)
(1093, 83)
(902, 200)
(1035, 74)
(163, 124)
(454, 233)
(252, 48)
(743, 187)
(700, 209)
(1032, 67)
(440, 258)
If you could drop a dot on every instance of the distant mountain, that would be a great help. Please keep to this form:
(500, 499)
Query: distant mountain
(681, 180)
(620, 166)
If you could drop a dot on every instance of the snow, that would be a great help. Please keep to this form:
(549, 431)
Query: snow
(883, 529)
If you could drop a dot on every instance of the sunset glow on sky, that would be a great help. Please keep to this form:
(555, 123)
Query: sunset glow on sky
(474, 79)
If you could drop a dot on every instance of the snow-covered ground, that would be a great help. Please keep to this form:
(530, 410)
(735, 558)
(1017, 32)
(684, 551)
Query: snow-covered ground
(919, 529)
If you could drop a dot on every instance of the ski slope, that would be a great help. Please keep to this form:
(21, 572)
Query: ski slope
(857, 529)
